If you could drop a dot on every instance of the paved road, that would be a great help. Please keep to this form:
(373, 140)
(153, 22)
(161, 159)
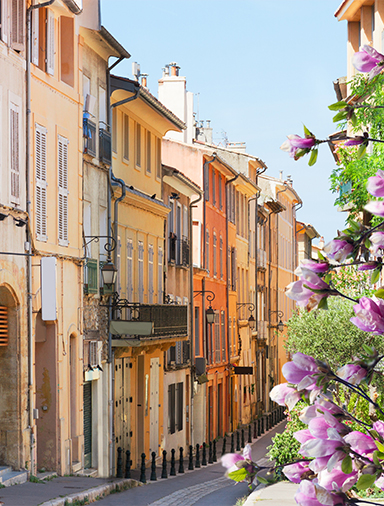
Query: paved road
(201, 487)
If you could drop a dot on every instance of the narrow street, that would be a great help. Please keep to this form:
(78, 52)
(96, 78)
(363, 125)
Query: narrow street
(201, 487)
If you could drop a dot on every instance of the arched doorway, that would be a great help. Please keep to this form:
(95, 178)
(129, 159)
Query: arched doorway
(10, 379)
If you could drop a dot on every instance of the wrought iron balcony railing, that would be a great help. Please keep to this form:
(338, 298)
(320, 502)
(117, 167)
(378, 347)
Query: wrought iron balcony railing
(105, 146)
(89, 133)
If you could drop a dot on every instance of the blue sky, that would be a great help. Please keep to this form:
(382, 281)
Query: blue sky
(261, 69)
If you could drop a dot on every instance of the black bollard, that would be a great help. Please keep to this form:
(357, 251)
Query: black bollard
(164, 470)
(197, 461)
(224, 445)
(119, 467)
(204, 459)
(238, 441)
(190, 462)
(255, 429)
(232, 443)
(262, 425)
(181, 461)
(214, 451)
(153, 467)
(173, 468)
(143, 478)
(242, 438)
(210, 458)
(270, 421)
(266, 423)
(128, 464)
(249, 434)
(258, 427)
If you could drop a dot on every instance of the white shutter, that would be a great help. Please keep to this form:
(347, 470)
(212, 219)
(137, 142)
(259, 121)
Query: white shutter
(62, 163)
(14, 146)
(150, 274)
(17, 24)
(160, 275)
(130, 270)
(4, 21)
(141, 271)
(41, 182)
(50, 42)
(35, 37)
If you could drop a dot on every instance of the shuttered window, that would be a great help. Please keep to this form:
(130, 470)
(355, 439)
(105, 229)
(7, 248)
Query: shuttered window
(62, 163)
(14, 132)
(160, 276)
(50, 42)
(35, 37)
(223, 347)
(214, 255)
(3, 326)
(3, 23)
(150, 274)
(17, 24)
(130, 270)
(141, 271)
(41, 182)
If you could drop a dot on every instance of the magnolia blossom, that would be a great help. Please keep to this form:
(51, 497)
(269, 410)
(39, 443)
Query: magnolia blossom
(338, 250)
(379, 428)
(369, 315)
(295, 143)
(302, 291)
(375, 184)
(319, 426)
(320, 406)
(231, 460)
(336, 480)
(301, 368)
(312, 265)
(377, 242)
(352, 373)
(296, 472)
(284, 395)
(369, 266)
(368, 60)
(356, 141)
(360, 443)
(310, 493)
(375, 207)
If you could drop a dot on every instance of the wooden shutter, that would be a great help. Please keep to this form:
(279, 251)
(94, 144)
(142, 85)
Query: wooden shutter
(3, 326)
(35, 37)
(141, 271)
(160, 275)
(150, 274)
(63, 190)
(41, 182)
(50, 50)
(17, 24)
(130, 270)
(14, 130)
(4, 21)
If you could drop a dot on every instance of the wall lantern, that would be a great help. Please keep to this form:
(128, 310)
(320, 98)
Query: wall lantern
(109, 272)
(210, 312)
(280, 325)
(251, 308)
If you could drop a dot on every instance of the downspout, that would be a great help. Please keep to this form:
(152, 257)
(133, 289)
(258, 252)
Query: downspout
(227, 283)
(191, 316)
(28, 228)
(277, 284)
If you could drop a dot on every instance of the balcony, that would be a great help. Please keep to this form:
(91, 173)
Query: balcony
(89, 134)
(172, 247)
(261, 259)
(90, 276)
(185, 250)
(105, 146)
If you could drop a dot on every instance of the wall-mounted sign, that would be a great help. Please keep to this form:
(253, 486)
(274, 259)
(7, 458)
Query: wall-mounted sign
(243, 370)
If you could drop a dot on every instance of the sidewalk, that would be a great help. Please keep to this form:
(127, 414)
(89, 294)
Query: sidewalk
(61, 490)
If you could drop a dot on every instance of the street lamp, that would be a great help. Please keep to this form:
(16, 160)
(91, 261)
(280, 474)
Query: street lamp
(109, 272)
(251, 308)
(210, 312)
(280, 325)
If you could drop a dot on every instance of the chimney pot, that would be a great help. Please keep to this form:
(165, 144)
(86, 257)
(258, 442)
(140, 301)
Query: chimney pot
(144, 80)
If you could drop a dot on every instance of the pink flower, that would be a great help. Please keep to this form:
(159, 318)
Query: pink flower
(375, 184)
(230, 460)
(377, 242)
(338, 250)
(302, 367)
(356, 141)
(379, 428)
(369, 266)
(284, 395)
(318, 409)
(319, 426)
(337, 480)
(375, 207)
(294, 472)
(310, 493)
(301, 291)
(296, 143)
(368, 60)
(352, 373)
(380, 483)
(360, 443)
(312, 265)
(369, 315)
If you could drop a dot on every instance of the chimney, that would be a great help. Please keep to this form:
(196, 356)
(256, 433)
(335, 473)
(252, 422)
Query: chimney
(174, 68)
(321, 242)
(166, 71)
(144, 80)
(290, 181)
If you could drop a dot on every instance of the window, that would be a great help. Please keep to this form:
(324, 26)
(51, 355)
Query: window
(3, 16)
(172, 236)
(138, 145)
(197, 331)
(213, 187)
(214, 255)
(130, 270)
(221, 258)
(217, 338)
(220, 189)
(141, 271)
(207, 250)
(66, 50)
(158, 158)
(223, 347)
(160, 275)
(126, 137)
(102, 107)
(206, 181)
(14, 146)
(114, 130)
(17, 24)
(175, 407)
(149, 148)
(62, 163)
(41, 182)
(178, 234)
(87, 230)
(150, 274)
(233, 268)
(230, 336)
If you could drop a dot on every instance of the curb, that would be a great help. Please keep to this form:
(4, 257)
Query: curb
(94, 494)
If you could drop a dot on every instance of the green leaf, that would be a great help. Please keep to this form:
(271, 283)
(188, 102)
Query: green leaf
(238, 475)
(380, 446)
(307, 132)
(367, 243)
(361, 150)
(340, 116)
(365, 481)
(313, 157)
(328, 278)
(380, 455)
(375, 276)
(353, 119)
(376, 458)
(337, 106)
(379, 293)
(262, 480)
(346, 465)
(368, 349)
(323, 304)
(320, 255)
(354, 225)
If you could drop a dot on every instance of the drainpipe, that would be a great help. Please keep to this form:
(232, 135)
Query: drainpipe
(28, 229)
(191, 317)
(227, 183)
